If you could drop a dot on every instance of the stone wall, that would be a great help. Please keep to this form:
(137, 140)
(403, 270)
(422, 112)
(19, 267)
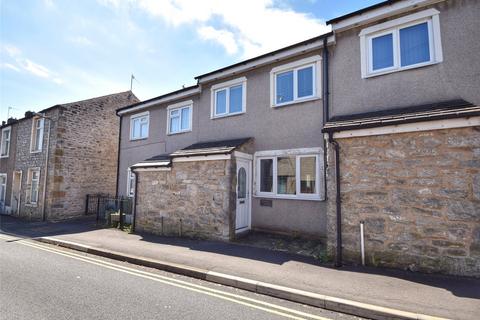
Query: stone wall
(419, 196)
(7, 165)
(193, 199)
(85, 155)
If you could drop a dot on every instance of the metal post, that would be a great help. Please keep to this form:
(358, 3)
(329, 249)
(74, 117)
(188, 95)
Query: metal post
(86, 204)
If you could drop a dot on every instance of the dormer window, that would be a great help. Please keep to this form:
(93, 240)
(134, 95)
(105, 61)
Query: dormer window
(408, 42)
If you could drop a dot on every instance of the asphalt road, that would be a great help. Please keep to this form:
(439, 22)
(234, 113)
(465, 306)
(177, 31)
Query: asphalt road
(39, 281)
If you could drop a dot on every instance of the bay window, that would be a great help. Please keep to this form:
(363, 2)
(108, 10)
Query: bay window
(290, 174)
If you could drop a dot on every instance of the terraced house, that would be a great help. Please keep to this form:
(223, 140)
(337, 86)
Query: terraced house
(367, 137)
(51, 159)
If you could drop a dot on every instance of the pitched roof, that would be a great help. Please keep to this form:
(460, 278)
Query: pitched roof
(427, 112)
(363, 10)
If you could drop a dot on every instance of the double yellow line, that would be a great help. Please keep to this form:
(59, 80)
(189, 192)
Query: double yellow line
(235, 298)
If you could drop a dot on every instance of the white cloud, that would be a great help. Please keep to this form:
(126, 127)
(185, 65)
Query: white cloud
(10, 66)
(225, 38)
(19, 63)
(251, 27)
(81, 41)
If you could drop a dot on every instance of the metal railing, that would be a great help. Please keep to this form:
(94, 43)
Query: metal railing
(110, 210)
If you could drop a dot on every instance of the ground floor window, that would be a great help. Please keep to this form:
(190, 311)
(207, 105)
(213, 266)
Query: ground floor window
(130, 183)
(289, 174)
(3, 187)
(33, 181)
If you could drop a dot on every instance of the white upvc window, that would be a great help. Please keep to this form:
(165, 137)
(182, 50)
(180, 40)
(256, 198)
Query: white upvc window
(229, 98)
(33, 183)
(36, 140)
(295, 82)
(290, 174)
(408, 42)
(5, 142)
(179, 117)
(130, 183)
(3, 187)
(139, 124)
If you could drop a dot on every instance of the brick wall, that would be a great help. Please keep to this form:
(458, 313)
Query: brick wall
(193, 199)
(419, 196)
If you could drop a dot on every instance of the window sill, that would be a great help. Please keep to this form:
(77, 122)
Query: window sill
(33, 205)
(414, 66)
(180, 132)
(227, 115)
(138, 139)
(3, 157)
(295, 102)
(286, 197)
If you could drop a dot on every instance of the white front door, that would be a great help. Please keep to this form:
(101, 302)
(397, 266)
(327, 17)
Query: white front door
(16, 191)
(242, 221)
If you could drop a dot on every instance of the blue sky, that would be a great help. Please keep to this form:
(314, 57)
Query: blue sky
(57, 51)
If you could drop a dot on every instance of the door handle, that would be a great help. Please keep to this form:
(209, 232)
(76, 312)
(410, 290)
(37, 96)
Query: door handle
(242, 201)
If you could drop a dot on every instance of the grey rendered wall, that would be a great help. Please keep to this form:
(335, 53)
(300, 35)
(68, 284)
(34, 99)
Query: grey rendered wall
(457, 77)
(294, 126)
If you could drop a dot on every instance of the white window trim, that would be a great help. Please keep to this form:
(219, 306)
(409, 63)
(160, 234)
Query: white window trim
(431, 16)
(28, 197)
(314, 61)
(129, 173)
(6, 155)
(180, 106)
(139, 115)
(32, 140)
(4, 196)
(298, 153)
(226, 85)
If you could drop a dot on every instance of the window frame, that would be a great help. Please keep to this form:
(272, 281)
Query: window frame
(226, 86)
(180, 106)
(28, 198)
(33, 137)
(430, 16)
(2, 141)
(134, 117)
(298, 154)
(315, 63)
(4, 195)
(130, 173)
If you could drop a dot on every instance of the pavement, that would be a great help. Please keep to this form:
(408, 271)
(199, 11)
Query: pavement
(369, 292)
(41, 281)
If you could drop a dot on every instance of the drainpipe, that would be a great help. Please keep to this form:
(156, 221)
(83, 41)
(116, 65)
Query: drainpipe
(338, 256)
(326, 115)
(134, 209)
(118, 156)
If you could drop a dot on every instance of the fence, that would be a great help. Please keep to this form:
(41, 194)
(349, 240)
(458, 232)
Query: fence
(110, 210)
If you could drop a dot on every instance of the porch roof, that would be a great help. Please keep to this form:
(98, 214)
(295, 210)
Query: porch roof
(210, 147)
(435, 111)
(162, 160)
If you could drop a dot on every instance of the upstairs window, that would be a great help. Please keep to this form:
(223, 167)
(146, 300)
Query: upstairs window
(295, 82)
(180, 117)
(36, 141)
(228, 98)
(5, 142)
(404, 43)
(139, 126)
